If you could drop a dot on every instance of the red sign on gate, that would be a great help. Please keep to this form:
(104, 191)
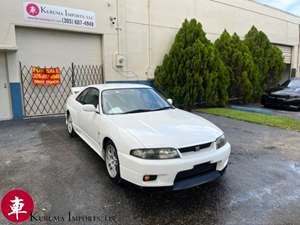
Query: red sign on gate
(46, 76)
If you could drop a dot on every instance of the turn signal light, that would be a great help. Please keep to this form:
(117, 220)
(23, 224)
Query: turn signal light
(149, 178)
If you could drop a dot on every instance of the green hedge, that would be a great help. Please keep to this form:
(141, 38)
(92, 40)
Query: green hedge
(243, 72)
(193, 70)
(196, 70)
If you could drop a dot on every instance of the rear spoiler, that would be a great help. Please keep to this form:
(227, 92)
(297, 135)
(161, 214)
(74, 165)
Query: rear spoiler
(76, 90)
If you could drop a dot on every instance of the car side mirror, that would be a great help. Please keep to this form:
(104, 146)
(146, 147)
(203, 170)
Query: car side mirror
(170, 101)
(90, 108)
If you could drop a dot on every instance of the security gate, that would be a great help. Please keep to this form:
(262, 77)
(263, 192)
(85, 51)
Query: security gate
(42, 100)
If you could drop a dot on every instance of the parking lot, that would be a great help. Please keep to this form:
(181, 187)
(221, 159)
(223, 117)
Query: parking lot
(63, 175)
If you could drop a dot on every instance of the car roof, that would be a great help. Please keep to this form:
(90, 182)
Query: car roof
(102, 87)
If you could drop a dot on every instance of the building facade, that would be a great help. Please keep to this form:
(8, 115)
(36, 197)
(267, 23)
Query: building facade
(127, 38)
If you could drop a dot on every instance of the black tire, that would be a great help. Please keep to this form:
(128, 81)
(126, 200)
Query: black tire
(112, 164)
(69, 125)
(263, 102)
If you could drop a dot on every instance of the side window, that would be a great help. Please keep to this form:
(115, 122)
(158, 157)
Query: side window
(80, 97)
(91, 97)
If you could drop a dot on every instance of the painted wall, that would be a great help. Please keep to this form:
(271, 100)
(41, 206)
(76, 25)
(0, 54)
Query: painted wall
(152, 25)
(12, 41)
(145, 29)
(12, 16)
(5, 103)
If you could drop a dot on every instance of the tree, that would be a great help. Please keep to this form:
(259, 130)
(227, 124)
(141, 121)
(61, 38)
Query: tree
(193, 70)
(267, 57)
(243, 73)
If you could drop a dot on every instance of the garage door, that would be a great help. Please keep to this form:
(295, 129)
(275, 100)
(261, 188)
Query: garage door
(287, 53)
(57, 48)
(77, 56)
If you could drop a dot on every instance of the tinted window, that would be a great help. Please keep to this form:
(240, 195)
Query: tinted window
(80, 97)
(89, 96)
(92, 97)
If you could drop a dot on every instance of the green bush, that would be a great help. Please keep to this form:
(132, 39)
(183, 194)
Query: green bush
(267, 57)
(193, 70)
(243, 72)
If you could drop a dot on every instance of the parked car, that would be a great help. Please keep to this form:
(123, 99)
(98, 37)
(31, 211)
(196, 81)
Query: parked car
(144, 139)
(286, 95)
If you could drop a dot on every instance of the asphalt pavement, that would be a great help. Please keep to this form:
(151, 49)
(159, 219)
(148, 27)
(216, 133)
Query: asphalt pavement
(67, 180)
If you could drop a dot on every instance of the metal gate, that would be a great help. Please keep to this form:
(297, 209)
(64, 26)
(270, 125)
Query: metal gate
(43, 100)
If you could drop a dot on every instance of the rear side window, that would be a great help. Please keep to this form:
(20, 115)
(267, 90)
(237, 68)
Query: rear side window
(89, 96)
(92, 97)
(80, 97)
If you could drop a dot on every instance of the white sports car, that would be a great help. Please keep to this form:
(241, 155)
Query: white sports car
(144, 139)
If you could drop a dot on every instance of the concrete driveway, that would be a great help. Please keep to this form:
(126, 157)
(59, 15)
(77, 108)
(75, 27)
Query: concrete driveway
(261, 186)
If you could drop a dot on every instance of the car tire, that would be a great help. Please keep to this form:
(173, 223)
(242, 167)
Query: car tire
(70, 127)
(263, 102)
(112, 164)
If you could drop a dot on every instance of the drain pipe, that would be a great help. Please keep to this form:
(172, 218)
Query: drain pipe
(123, 73)
(298, 66)
(149, 39)
(118, 26)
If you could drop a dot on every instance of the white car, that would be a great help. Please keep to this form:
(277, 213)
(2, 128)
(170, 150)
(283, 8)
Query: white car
(144, 139)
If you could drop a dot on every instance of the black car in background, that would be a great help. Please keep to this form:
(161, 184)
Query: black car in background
(286, 96)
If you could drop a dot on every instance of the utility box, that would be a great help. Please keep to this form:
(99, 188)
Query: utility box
(120, 61)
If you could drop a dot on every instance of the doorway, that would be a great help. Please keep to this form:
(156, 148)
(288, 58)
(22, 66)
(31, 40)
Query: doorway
(5, 108)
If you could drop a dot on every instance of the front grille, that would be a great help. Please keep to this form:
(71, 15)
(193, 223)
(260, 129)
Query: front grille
(196, 171)
(280, 96)
(275, 101)
(195, 148)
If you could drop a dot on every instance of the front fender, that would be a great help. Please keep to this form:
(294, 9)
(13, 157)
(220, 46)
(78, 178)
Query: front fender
(123, 140)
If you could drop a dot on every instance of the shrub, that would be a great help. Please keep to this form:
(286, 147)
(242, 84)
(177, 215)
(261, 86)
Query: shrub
(267, 57)
(192, 71)
(243, 73)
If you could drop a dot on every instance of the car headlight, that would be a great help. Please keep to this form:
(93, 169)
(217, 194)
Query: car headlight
(221, 141)
(155, 153)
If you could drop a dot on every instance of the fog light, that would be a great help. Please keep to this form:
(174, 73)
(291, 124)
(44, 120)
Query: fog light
(149, 178)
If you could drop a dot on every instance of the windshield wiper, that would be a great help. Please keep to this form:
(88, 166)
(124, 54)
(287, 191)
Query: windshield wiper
(147, 110)
(164, 108)
(138, 111)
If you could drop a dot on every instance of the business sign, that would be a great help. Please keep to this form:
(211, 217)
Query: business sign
(17, 206)
(36, 12)
(46, 76)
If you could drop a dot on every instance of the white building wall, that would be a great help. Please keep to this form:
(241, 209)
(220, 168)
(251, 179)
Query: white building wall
(161, 19)
(11, 14)
(5, 107)
(145, 29)
(12, 19)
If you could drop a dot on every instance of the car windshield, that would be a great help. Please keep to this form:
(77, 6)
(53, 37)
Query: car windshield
(132, 100)
(294, 84)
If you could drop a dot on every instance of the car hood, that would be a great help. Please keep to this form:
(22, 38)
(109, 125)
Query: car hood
(167, 128)
(287, 92)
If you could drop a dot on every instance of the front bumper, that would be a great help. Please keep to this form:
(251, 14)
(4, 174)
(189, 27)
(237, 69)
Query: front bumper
(189, 171)
(277, 102)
